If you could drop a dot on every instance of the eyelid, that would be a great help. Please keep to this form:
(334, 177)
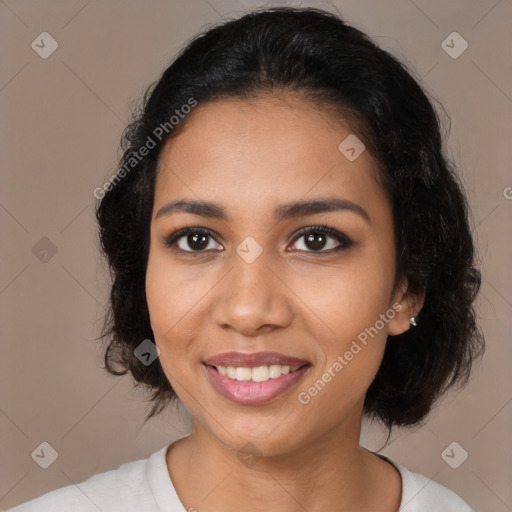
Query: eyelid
(171, 240)
(344, 241)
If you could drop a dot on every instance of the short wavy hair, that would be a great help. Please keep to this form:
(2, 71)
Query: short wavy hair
(319, 56)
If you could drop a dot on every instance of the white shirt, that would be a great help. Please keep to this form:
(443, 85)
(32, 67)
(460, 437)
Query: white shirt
(145, 486)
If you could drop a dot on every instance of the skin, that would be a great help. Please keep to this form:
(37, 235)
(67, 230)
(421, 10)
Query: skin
(251, 156)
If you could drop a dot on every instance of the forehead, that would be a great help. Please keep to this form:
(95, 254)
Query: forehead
(263, 151)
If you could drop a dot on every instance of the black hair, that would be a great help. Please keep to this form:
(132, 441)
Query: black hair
(323, 59)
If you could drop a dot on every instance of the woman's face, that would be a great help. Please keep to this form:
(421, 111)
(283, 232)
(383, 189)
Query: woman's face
(253, 284)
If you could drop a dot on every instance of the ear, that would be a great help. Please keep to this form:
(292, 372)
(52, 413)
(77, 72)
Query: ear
(407, 305)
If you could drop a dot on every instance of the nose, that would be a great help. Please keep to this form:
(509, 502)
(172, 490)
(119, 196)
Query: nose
(252, 298)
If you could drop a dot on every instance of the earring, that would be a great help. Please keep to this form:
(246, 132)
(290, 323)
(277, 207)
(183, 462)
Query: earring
(412, 320)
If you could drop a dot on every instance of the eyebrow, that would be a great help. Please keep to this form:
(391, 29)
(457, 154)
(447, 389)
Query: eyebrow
(286, 211)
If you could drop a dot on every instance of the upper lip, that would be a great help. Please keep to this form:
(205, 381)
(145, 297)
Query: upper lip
(254, 359)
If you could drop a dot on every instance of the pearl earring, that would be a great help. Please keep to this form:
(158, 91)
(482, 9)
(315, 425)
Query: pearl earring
(412, 321)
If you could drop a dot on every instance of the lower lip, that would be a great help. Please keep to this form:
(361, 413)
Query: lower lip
(249, 392)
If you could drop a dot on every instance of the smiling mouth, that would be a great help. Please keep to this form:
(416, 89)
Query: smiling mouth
(252, 386)
(254, 378)
(258, 373)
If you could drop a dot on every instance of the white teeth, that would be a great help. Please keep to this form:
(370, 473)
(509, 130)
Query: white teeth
(257, 374)
(243, 374)
(260, 374)
(275, 371)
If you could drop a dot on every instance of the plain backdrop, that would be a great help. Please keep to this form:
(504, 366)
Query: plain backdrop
(61, 122)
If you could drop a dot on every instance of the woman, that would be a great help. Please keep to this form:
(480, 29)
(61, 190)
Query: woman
(285, 228)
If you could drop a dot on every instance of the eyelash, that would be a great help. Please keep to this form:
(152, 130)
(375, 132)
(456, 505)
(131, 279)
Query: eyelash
(345, 242)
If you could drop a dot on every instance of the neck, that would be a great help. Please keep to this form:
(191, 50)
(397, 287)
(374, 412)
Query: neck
(331, 472)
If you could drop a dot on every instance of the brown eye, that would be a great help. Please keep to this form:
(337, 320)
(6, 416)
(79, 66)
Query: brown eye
(317, 239)
(190, 240)
(196, 241)
(322, 239)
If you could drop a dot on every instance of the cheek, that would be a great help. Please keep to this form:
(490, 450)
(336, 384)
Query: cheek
(349, 316)
(173, 295)
(176, 302)
(346, 299)
(350, 362)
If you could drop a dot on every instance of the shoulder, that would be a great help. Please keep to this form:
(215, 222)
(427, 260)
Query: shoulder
(421, 494)
(122, 489)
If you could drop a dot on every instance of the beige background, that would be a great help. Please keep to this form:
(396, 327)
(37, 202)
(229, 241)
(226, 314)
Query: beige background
(62, 118)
